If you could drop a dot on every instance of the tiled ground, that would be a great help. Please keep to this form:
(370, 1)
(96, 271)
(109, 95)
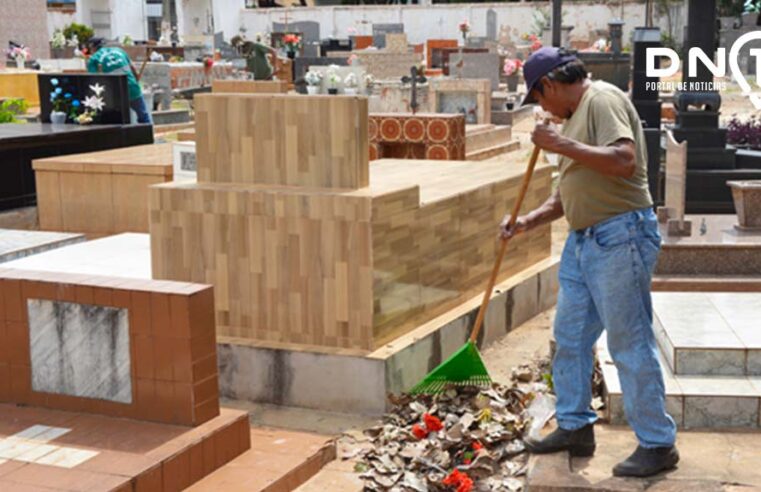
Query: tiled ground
(15, 244)
(52, 450)
(277, 461)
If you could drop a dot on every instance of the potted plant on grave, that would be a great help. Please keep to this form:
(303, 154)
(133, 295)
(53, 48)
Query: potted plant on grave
(79, 34)
(292, 43)
(313, 80)
(751, 9)
(58, 44)
(747, 198)
(464, 28)
(744, 134)
(21, 54)
(61, 101)
(350, 84)
(512, 69)
(333, 79)
(369, 84)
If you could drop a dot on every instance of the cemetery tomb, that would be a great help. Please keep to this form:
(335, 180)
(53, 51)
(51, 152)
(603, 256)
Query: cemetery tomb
(433, 58)
(471, 97)
(15, 244)
(386, 65)
(250, 86)
(21, 144)
(100, 193)
(20, 84)
(281, 189)
(140, 387)
(418, 136)
(487, 141)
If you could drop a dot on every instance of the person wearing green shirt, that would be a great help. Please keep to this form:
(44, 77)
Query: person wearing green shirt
(115, 61)
(257, 57)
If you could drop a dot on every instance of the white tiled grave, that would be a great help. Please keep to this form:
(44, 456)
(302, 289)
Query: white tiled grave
(15, 244)
(123, 255)
(709, 333)
(713, 336)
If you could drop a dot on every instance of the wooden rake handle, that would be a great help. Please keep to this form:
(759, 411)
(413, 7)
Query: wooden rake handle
(503, 245)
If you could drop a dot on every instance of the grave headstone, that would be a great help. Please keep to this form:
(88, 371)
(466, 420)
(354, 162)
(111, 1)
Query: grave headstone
(310, 30)
(380, 31)
(159, 75)
(491, 24)
(302, 64)
(116, 109)
(463, 102)
(672, 213)
(482, 66)
(396, 42)
(333, 44)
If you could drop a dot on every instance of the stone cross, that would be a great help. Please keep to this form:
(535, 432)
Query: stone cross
(416, 77)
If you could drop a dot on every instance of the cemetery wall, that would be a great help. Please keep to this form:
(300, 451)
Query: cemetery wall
(440, 21)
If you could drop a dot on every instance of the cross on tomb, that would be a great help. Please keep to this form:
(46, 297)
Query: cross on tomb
(416, 77)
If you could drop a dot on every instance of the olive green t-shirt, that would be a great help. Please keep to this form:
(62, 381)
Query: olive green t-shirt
(604, 116)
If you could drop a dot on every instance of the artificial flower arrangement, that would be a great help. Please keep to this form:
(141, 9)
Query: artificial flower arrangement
(58, 40)
(83, 112)
(292, 42)
(351, 80)
(333, 79)
(352, 58)
(534, 39)
(602, 45)
(512, 67)
(313, 78)
(128, 41)
(464, 27)
(19, 53)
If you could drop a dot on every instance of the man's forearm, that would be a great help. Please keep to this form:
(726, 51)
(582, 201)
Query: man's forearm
(550, 210)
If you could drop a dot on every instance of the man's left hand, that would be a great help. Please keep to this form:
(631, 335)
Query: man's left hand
(546, 137)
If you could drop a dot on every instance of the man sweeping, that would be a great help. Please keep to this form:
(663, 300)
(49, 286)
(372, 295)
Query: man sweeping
(607, 262)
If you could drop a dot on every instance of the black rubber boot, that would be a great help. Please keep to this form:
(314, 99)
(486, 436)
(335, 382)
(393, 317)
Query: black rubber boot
(579, 442)
(646, 462)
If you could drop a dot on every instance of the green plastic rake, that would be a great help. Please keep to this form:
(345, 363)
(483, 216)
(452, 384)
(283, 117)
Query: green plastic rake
(465, 367)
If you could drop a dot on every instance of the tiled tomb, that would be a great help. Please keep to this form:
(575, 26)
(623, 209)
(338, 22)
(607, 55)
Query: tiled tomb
(443, 219)
(15, 244)
(710, 354)
(100, 193)
(418, 136)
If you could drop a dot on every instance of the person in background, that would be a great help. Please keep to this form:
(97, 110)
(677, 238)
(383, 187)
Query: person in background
(257, 55)
(115, 61)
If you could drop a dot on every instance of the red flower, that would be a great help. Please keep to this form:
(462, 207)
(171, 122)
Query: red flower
(460, 480)
(477, 446)
(432, 423)
(420, 432)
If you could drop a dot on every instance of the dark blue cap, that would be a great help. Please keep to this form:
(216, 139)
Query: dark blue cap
(540, 63)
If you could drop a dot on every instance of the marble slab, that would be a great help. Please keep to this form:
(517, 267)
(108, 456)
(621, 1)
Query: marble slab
(80, 350)
(15, 244)
(122, 255)
(709, 333)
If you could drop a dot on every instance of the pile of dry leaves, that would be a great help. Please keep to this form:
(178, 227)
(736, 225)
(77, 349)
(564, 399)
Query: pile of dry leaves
(464, 439)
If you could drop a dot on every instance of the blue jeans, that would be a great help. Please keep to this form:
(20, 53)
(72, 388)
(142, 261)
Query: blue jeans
(143, 114)
(605, 274)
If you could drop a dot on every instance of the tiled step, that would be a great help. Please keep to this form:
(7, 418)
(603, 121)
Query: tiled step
(693, 401)
(479, 137)
(709, 333)
(494, 151)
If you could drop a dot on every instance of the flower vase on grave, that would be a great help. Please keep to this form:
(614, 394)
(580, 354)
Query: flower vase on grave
(512, 82)
(350, 91)
(313, 90)
(20, 62)
(291, 54)
(58, 117)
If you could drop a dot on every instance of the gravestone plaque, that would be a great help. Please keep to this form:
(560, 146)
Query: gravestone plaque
(482, 66)
(80, 350)
(380, 31)
(491, 25)
(459, 102)
(310, 30)
(672, 213)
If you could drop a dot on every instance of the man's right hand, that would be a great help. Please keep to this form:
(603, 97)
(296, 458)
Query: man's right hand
(523, 224)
